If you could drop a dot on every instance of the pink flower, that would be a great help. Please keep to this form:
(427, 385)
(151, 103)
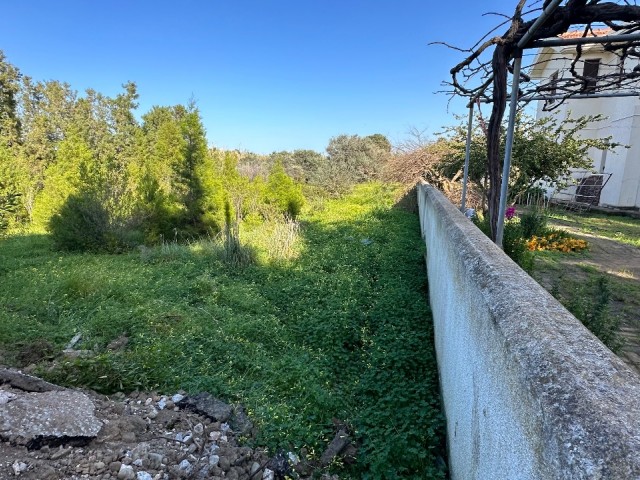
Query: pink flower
(510, 213)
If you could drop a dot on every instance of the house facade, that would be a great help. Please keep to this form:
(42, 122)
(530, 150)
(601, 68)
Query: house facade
(620, 167)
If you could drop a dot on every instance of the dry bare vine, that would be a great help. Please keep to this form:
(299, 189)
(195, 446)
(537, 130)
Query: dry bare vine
(483, 77)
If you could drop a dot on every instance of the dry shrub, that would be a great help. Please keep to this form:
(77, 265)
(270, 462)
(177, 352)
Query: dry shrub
(418, 158)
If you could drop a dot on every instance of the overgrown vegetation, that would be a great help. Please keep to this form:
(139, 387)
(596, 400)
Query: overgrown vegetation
(514, 241)
(590, 303)
(333, 326)
(68, 159)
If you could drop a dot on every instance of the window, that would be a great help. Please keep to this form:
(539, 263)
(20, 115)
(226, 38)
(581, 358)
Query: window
(590, 73)
(553, 87)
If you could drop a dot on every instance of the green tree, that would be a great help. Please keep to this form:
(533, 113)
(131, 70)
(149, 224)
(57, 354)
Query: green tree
(9, 92)
(352, 159)
(47, 111)
(74, 170)
(193, 173)
(178, 178)
(283, 192)
(381, 141)
(544, 150)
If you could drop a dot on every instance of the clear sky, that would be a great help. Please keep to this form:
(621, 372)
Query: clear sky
(267, 75)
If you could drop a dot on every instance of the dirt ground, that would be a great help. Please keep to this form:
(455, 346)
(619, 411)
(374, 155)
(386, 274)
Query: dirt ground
(621, 263)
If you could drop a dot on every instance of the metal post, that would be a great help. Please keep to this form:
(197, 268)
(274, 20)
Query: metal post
(509, 146)
(466, 160)
(546, 13)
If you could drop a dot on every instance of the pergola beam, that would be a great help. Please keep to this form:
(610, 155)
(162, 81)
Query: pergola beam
(565, 42)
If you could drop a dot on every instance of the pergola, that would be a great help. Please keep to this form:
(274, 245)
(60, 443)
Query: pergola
(525, 43)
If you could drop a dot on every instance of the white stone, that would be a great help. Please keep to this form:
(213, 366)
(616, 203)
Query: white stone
(18, 467)
(293, 458)
(126, 473)
(6, 397)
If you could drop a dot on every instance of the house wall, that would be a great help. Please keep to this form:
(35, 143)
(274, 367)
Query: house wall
(622, 124)
(528, 392)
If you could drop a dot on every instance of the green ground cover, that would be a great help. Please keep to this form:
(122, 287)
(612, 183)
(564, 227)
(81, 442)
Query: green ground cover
(340, 329)
(619, 228)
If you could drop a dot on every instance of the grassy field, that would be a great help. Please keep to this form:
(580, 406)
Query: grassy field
(621, 229)
(336, 327)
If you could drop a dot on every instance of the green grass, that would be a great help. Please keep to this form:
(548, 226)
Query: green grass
(339, 328)
(575, 284)
(618, 228)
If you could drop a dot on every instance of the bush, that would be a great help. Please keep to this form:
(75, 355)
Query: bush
(533, 223)
(283, 192)
(515, 245)
(590, 304)
(513, 241)
(83, 225)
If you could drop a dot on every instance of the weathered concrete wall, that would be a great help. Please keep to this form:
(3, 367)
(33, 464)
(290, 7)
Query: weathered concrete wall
(528, 392)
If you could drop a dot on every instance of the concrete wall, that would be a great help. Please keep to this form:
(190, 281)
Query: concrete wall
(528, 392)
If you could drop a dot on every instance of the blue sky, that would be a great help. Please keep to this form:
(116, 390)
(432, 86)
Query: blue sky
(267, 75)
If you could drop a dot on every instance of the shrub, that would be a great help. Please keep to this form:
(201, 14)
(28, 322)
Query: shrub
(515, 245)
(533, 223)
(283, 192)
(590, 304)
(513, 241)
(235, 253)
(83, 225)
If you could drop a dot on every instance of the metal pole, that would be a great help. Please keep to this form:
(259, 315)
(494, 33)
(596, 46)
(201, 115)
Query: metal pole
(582, 96)
(539, 21)
(564, 42)
(466, 160)
(508, 146)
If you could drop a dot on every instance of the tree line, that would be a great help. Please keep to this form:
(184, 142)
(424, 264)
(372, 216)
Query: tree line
(84, 168)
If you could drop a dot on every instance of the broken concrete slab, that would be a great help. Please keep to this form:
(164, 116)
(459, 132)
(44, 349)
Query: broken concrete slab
(49, 418)
(206, 404)
(25, 382)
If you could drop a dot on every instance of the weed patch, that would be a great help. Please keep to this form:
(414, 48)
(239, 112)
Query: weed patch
(339, 329)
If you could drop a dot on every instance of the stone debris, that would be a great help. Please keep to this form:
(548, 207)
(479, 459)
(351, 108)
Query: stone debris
(207, 405)
(142, 436)
(340, 446)
(119, 343)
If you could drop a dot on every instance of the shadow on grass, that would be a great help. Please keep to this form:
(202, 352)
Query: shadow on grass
(342, 332)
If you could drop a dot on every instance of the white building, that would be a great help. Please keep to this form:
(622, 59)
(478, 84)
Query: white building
(623, 115)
